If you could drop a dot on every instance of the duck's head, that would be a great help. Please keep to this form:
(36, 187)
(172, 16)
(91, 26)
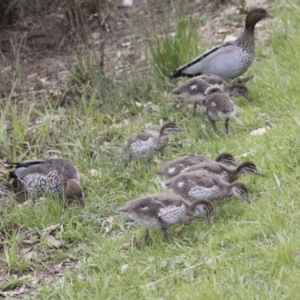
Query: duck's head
(74, 190)
(255, 15)
(238, 89)
(169, 128)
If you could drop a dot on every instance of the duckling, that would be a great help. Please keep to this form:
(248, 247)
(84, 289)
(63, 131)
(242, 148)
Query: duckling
(174, 167)
(228, 60)
(198, 185)
(223, 171)
(7, 192)
(160, 211)
(6, 189)
(218, 106)
(146, 143)
(197, 88)
(55, 176)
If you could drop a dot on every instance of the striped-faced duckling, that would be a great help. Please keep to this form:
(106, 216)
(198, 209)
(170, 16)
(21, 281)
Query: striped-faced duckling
(146, 143)
(216, 107)
(222, 171)
(200, 185)
(160, 211)
(197, 88)
(174, 167)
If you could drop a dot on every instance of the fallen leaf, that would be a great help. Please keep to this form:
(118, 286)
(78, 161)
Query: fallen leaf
(127, 3)
(24, 203)
(124, 268)
(25, 250)
(126, 44)
(58, 268)
(53, 118)
(150, 105)
(16, 292)
(93, 173)
(35, 280)
(259, 131)
(43, 81)
(53, 241)
(33, 240)
(80, 277)
(110, 220)
(6, 69)
(4, 169)
(30, 278)
(138, 104)
(95, 35)
(50, 229)
(29, 255)
(32, 77)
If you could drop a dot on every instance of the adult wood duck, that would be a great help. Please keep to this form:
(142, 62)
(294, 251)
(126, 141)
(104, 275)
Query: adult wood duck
(228, 60)
(55, 176)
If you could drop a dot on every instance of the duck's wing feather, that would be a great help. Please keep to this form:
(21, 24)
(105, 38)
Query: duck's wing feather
(197, 66)
(27, 167)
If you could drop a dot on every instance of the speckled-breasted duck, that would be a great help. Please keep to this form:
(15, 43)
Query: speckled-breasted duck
(174, 167)
(199, 185)
(228, 60)
(216, 107)
(199, 87)
(56, 176)
(160, 211)
(146, 143)
(222, 171)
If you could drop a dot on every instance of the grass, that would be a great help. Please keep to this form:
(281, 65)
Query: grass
(249, 251)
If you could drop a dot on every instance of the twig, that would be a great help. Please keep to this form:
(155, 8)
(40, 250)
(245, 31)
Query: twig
(176, 273)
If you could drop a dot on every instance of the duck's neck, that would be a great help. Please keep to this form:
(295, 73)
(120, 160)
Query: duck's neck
(247, 37)
(226, 189)
(162, 142)
(232, 175)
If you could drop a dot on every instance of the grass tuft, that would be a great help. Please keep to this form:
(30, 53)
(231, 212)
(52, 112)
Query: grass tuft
(169, 50)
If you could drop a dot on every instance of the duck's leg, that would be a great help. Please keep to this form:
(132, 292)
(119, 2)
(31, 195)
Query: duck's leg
(227, 125)
(144, 238)
(244, 79)
(166, 235)
(195, 108)
(213, 122)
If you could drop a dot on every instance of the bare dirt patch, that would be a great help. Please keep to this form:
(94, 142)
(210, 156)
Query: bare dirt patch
(42, 46)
